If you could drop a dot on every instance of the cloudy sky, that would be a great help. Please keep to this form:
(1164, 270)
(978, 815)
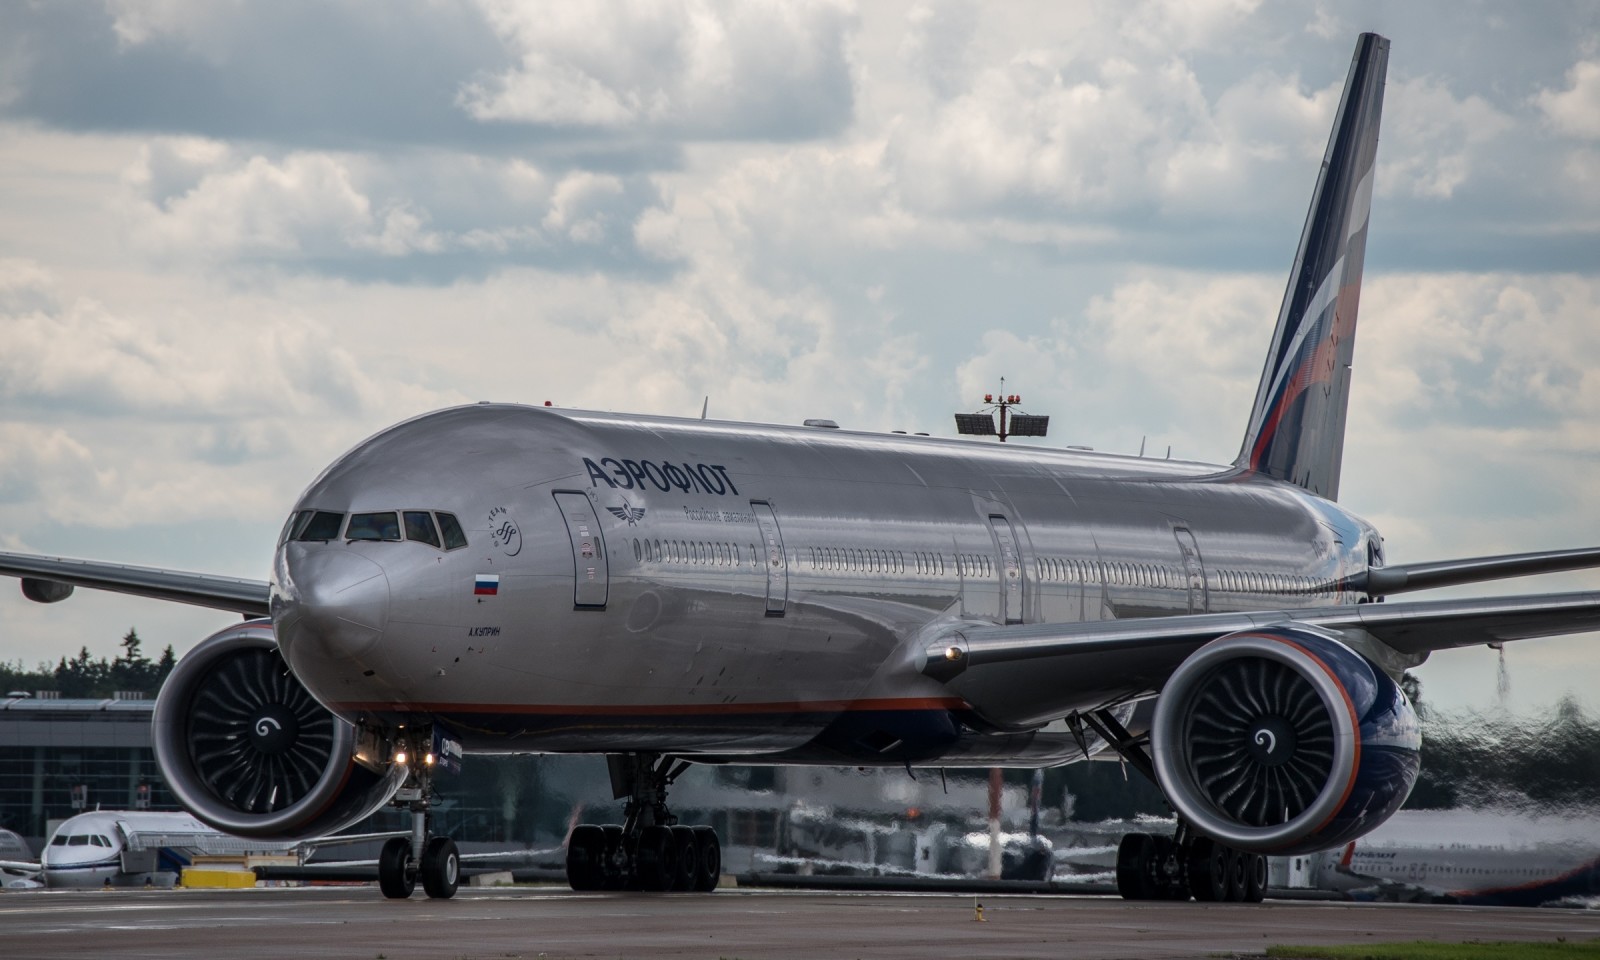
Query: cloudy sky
(236, 238)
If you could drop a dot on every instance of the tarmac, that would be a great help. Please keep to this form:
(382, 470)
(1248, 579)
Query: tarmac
(552, 923)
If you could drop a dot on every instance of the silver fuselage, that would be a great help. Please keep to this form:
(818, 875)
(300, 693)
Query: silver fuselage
(731, 589)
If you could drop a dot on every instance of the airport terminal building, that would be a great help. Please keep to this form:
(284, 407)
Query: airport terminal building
(62, 757)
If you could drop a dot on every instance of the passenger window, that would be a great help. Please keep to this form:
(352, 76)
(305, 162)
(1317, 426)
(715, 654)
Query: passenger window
(419, 527)
(322, 526)
(453, 535)
(373, 526)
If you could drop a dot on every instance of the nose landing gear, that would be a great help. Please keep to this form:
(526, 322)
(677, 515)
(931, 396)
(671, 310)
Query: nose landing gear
(405, 860)
(650, 850)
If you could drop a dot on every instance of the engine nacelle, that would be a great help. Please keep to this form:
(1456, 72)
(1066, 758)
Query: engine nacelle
(247, 749)
(1283, 740)
(45, 591)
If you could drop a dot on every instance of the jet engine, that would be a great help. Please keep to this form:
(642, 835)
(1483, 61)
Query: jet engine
(247, 749)
(1283, 740)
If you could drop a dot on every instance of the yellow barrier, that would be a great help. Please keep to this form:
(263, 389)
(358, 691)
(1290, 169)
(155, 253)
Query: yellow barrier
(217, 879)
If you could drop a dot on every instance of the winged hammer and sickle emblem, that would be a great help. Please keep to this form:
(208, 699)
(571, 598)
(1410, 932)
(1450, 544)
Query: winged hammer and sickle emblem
(627, 512)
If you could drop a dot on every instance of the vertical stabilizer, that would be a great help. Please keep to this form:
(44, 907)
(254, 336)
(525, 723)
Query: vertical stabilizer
(1296, 430)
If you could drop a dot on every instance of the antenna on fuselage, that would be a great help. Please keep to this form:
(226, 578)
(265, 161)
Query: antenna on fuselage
(704, 406)
(1012, 424)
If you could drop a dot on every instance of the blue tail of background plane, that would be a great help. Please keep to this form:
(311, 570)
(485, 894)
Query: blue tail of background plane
(1296, 430)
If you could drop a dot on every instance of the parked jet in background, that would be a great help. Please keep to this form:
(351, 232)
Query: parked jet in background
(501, 578)
(1494, 858)
(123, 848)
(18, 869)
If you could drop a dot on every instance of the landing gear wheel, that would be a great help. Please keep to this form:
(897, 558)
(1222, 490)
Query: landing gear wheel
(709, 861)
(1165, 884)
(1134, 856)
(1255, 879)
(656, 864)
(1208, 870)
(585, 852)
(441, 868)
(1238, 868)
(395, 877)
(686, 858)
(613, 859)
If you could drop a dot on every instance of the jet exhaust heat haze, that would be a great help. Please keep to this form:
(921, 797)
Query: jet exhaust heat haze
(667, 592)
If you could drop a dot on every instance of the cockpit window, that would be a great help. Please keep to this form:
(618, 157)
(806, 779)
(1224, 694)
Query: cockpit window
(80, 840)
(59, 840)
(322, 525)
(419, 527)
(373, 526)
(453, 535)
(296, 523)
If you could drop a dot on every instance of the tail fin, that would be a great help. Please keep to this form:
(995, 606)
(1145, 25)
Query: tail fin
(1296, 430)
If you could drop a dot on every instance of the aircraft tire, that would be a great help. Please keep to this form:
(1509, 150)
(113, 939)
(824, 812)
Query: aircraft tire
(585, 848)
(1208, 870)
(655, 865)
(686, 858)
(1255, 879)
(614, 859)
(709, 863)
(395, 878)
(1134, 855)
(441, 868)
(1238, 869)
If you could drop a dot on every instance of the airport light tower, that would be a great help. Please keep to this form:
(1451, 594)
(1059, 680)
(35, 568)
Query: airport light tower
(1012, 423)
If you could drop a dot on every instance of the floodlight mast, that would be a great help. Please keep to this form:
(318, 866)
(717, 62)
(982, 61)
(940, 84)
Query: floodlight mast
(1016, 424)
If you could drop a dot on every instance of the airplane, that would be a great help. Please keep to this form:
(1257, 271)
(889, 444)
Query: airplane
(498, 578)
(121, 848)
(1479, 858)
(17, 871)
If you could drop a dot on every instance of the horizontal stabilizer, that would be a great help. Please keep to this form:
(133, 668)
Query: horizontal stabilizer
(1383, 581)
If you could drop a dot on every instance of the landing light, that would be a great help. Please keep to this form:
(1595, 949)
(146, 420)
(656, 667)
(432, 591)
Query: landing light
(427, 759)
(399, 756)
(952, 653)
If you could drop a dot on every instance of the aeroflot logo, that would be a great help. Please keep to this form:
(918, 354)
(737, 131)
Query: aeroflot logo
(636, 474)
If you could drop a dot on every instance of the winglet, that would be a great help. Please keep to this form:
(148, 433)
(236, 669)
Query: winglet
(1296, 431)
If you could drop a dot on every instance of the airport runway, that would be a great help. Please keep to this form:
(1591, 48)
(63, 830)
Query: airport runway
(552, 923)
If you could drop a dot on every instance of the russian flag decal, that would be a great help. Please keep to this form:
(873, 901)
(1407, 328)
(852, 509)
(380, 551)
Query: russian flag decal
(486, 585)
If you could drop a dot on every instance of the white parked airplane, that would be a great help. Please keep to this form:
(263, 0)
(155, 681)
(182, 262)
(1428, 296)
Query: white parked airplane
(126, 848)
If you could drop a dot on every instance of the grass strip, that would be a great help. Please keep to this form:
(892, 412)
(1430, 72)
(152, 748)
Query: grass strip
(1435, 950)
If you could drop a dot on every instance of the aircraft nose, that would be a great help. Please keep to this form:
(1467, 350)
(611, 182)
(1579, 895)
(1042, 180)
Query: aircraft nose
(337, 607)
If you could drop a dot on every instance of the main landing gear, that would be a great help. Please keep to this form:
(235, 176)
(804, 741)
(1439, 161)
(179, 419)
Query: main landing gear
(649, 850)
(1178, 867)
(1186, 864)
(405, 860)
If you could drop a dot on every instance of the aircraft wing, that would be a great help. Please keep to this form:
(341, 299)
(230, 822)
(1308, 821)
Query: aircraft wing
(21, 866)
(49, 579)
(1026, 675)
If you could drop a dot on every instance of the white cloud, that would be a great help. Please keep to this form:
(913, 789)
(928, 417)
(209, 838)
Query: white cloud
(703, 67)
(1575, 111)
(1432, 140)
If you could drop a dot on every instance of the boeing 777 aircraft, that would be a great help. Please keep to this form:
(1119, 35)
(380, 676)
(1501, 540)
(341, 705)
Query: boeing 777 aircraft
(498, 578)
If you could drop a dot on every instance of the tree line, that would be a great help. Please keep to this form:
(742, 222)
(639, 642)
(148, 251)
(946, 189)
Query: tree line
(83, 676)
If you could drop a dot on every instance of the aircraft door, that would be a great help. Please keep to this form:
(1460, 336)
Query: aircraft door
(772, 553)
(1005, 539)
(1194, 572)
(590, 573)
